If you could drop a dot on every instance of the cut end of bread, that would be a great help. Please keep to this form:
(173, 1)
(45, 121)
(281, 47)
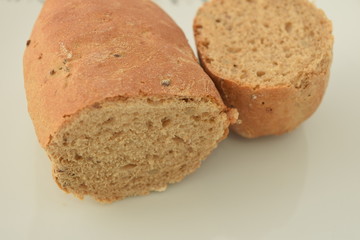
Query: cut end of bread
(262, 42)
(255, 50)
(129, 147)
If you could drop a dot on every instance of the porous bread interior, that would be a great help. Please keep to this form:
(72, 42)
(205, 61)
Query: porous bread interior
(263, 43)
(130, 147)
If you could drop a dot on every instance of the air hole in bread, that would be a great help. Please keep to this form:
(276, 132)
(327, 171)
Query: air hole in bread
(288, 27)
(183, 167)
(208, 60)
(197, 29)
(116, 135)
(149, 124)
(206, 44)
(196, 118)
(109, 120)
(187, 99)
(165, 122)
(65, 140)
(178, 139)
(128, 166)
(260, 73)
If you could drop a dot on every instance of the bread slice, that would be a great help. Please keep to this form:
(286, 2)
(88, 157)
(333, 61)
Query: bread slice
(117, 98)
(270, 59)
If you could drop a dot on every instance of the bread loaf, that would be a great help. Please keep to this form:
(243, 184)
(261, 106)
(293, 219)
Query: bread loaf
(117, 98)
(269, 58)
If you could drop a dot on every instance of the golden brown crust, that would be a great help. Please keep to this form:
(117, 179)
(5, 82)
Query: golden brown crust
(270, 111)
(82, 52)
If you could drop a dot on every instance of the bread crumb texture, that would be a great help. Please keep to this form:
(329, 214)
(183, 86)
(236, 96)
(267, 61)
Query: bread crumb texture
(129, 147)
(261, 48)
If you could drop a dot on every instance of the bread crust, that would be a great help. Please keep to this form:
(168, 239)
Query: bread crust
(269, 110)
(81, 53)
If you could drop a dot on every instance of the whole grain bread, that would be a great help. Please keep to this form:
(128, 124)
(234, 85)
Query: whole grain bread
(270, 59)
(117, 98)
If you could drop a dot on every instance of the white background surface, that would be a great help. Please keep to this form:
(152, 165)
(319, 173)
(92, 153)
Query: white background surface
(301, 186)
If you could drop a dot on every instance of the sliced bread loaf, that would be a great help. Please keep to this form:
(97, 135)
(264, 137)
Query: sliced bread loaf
(269, 58)
(117, 98)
